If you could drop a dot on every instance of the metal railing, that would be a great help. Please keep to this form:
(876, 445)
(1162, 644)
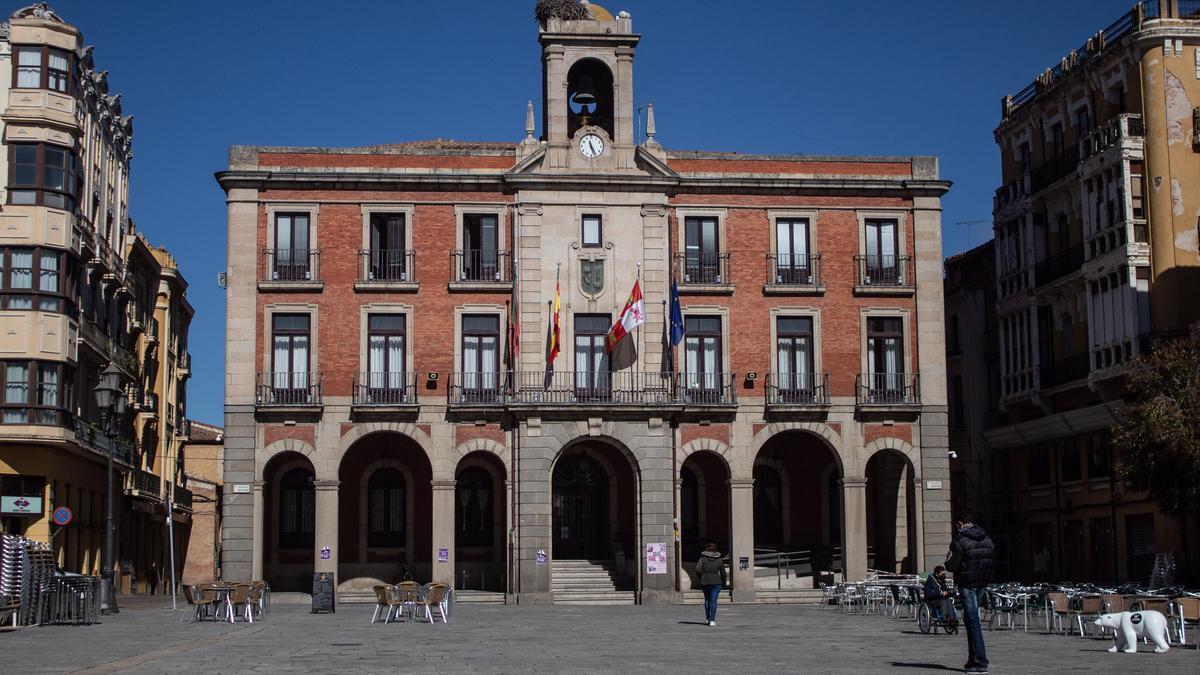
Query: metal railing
(581, 388)
(1126, 125)
(1065, 370)
(797, 389)
(800, 562)
(150, 403)
(182, 497)
(145, 483)
(474, 266)
(1051, 171)
(288, 389)
(708, 269)
(1058, 265)
(292, 265)
(95, 438)
(884, 271)
(385, 389)
(151, 329)
(183, 428)
(95, 337)
(888, 389)
(787, 269)
(185, 362)
(387, 266)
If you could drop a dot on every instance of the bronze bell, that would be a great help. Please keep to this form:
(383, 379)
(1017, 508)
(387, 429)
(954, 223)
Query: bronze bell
(585, 92)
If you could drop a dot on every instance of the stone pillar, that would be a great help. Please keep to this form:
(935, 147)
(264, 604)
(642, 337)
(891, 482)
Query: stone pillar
(854, 527)
(443, 531)
(258, 530)
(741, 504)
(325, 529)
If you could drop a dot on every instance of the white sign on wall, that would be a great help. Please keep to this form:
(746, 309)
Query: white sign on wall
(21, 505)
(933, 485)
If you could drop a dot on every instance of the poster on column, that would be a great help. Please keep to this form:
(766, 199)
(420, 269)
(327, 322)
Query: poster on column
(656, 558)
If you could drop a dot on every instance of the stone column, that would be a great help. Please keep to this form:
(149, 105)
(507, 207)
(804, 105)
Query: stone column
(443, 530)
(325, 529)
(257, 529)
(854, 527)
(741, 504)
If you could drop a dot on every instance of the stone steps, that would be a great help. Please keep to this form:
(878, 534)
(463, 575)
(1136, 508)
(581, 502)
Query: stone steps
(589, 582)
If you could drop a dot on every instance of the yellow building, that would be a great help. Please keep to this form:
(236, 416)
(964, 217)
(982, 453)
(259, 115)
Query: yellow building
(79, 290)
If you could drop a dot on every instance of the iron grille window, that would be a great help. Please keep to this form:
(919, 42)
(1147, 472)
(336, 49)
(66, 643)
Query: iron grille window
(882, 251)
(591, 359)
(481, 247)
(702, 352)
(386, 351)
(794, 354)
(389, 247)
(792, 251)
(290, 341)
(702, 250)
(480, 354)
(292, 247)
(885, 354)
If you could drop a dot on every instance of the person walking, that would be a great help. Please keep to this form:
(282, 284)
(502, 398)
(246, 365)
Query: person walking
(711, 570)
(971, 559)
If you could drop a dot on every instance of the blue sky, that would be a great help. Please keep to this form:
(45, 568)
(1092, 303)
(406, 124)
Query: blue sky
(862, 77)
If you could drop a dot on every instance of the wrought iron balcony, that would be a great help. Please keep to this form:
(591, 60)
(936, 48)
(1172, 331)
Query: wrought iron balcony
(1122, 127)
(1059, 265)
(151, 330)
(385, 389)
(884, 272)
(786, 270)
(182, 498)
(591, 388)
(702, 269)
(387, 266)
(888, 389)
(797, 389)
(145, 484)
(481, 267)
(109, 349)
(287, 389)
(291, 265)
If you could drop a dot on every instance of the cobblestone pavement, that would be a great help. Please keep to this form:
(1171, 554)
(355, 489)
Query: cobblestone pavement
(495, 638)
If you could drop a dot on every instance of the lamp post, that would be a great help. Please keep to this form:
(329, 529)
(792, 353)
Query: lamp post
(110, 401)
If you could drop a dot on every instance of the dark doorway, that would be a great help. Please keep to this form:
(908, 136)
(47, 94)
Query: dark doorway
(768, 505)
(581, 509)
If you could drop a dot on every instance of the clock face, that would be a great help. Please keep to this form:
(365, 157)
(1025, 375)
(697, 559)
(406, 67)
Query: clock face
(591, 146)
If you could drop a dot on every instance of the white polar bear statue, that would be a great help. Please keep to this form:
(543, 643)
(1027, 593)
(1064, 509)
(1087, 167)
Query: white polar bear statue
(1127, 627)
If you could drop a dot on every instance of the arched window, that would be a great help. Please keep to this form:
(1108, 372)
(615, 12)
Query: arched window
(297, 509)
(474, 493)
(385, 509)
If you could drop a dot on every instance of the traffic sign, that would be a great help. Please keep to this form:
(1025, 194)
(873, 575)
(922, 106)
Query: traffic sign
(62, 516)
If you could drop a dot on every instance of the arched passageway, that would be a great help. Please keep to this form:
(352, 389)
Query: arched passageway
(704, 507)
(480, 523)
(289, 519)
(385, 502)
(594, 502)
(798, 502)
(891, 513)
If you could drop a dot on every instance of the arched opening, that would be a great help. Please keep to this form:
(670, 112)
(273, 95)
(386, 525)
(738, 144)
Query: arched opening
(479, 523)
(798, 506)
(704, 509)
(589, 97)
(289, 522)
(385, 500)
(891, 513)
(594, 500)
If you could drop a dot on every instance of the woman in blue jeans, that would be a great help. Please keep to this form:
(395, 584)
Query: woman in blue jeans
(711, 570)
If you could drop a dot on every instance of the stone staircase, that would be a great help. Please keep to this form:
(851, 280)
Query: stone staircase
(589, 582)
(762, 596)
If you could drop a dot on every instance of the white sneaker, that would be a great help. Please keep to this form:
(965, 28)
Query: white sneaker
(712, 623)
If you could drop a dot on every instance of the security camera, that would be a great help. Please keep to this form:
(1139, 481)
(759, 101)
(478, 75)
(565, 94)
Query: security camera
(952, 454)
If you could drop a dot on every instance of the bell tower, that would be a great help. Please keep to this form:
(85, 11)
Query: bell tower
(587, 89)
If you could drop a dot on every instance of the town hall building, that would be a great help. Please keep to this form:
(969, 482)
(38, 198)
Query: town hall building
(388, 406)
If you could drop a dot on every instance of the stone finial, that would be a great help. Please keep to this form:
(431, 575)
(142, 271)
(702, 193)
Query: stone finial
(650, 130)
(529, 122)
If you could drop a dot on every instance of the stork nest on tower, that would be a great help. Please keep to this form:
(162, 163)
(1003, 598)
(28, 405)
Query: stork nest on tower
(564, 10)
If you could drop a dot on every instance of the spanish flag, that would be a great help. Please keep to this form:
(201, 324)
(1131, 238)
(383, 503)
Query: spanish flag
(620, 344)
(553, 337)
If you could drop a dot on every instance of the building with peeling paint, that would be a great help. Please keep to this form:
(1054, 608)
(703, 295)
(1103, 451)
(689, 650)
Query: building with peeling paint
(1096, 258)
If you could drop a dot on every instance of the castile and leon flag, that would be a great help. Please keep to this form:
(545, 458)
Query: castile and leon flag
(621, 344)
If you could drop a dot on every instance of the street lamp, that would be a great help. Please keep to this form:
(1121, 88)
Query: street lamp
(110, 401)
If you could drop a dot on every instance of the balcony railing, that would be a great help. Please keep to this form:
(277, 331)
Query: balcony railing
(183, 428)
(797, 389)
(702, 269)
(582, 388)
(182, 497)
(151, 330)
(291, 265)
(289, 389)
(93, 336)
(1119, 128)
(883, 271)
(1052, 170)
(801, 271)
(888, 389)
(1059, 265)
(471, 266)
(185, 363)
(145, 483)
(386, 266)
(1065, 370)
(385, 389)
(150, 403)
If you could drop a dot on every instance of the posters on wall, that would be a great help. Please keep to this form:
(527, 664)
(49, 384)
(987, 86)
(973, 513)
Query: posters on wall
(656, 558)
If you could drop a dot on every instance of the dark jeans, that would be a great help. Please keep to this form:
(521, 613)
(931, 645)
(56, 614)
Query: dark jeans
(711, 593)
(972, 597)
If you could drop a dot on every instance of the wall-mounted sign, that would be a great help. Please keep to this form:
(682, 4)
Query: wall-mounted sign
(542, 558)
(933, 485)
(656, 558)
(241, 488)
(744, 563)
(443, 555)
(326, 554)
(62, 516)
(21, 505)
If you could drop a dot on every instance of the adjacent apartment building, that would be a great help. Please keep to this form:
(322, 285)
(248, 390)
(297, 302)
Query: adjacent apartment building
(79, 289)
(1096, 229)
(389, 409)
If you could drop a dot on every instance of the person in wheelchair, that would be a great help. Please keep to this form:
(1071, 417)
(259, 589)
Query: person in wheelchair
(939, 597)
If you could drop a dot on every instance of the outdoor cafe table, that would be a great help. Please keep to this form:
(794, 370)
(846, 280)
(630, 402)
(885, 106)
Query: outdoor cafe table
(221, 590)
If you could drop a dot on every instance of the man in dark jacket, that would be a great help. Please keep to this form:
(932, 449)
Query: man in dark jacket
(711, 570)
(971, 559)
(938, 595)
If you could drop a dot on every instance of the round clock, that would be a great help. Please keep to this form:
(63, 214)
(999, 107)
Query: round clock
(591, 146)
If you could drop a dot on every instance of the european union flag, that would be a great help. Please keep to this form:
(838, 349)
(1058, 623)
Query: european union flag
(676, 317)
